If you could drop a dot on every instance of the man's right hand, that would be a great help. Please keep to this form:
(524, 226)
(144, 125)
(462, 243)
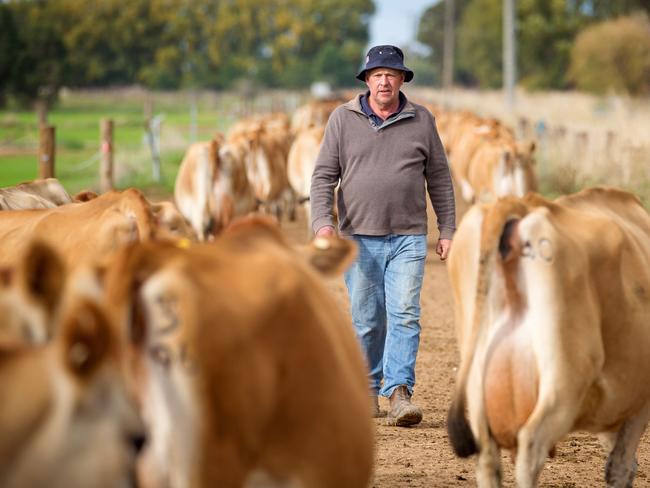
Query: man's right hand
(327, 230)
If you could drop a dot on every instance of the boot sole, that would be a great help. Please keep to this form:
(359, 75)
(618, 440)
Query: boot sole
(406, 420)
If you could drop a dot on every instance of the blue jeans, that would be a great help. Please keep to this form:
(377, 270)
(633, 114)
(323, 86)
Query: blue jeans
(384, 286)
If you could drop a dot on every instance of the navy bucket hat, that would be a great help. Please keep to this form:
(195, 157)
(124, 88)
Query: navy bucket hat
(385, 57)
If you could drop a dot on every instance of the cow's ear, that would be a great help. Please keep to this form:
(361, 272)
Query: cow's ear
(87, 338)
(43, 274)
(330, 255)
(84, 196)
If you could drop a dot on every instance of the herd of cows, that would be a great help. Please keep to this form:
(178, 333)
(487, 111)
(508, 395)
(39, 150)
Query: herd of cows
(188, 343)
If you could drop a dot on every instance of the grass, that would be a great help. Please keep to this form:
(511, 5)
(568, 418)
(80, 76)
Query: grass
(77, 119)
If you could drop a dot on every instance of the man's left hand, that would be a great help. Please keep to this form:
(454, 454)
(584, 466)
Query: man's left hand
(442, 248)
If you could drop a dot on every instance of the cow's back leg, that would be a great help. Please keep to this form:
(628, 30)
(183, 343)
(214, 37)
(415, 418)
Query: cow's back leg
(488, 468)
(620, 468)
(552, 418)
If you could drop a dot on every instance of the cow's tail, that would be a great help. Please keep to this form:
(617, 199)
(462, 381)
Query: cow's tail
(495, 218)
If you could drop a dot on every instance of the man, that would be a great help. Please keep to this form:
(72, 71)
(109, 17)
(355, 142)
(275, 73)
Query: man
(382, 150)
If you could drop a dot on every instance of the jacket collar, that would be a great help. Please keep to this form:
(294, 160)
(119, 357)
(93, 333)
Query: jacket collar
(407, 112)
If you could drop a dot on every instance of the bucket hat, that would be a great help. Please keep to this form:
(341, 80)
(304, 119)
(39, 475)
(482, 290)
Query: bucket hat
(385, 57)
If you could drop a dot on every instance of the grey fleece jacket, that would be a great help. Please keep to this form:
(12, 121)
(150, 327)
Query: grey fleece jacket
(382, 173)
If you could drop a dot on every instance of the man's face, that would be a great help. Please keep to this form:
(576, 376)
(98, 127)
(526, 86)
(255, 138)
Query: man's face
(384, 85)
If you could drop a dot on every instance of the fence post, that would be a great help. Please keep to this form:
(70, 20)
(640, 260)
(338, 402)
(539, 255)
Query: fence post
(46, 152)
(106, 167)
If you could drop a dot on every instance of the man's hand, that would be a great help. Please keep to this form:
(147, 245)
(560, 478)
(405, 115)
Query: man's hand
(327, 230)
(442, 248)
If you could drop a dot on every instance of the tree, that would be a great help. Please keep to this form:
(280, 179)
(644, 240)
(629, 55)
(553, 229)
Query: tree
(39, 60)
(9, 45)
(613, 56)
(480, 42)
(431, 30)
(184, 43)
(546, 31)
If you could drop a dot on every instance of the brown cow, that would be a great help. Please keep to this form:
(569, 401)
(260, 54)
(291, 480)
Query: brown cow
(262, 145)
(248, 368)
(65, 416)
(302, 160)
(79, 231)
(553, 323)
(211, 187)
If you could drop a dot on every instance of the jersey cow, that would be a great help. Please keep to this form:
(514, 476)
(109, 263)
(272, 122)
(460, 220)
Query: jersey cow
(249, 371)
(553, 323)
(80, 231)
(212, 188)
(66, 418)
(44, 193)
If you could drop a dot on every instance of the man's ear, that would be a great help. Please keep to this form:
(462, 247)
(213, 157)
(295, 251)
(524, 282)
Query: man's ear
(330, 255)
(42, 275)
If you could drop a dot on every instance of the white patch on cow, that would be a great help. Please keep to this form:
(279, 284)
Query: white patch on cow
(82, 438)
(502, 179)
(543, 301)
(521, 187)
(170, 408)
(466, 190)
(259, 172)
(222, 188)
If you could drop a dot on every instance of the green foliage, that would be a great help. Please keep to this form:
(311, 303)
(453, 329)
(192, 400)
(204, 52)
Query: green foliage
(613, 56)
(170, 44)
(546, 30)
(545, 35)
(38, 69)
(480, 42)
(431, 32)
(9, 43)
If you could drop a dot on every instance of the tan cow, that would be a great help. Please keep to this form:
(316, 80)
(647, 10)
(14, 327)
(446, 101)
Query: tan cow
(553, 322)
(302, 160)
(65, 416)
(314, 114)
(79, 231)
(44, 193)
(261, 144)
(249, 370)
(498, 167)
(170, 222)
(211, 187)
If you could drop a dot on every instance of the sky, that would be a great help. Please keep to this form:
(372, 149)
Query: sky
(396, 21)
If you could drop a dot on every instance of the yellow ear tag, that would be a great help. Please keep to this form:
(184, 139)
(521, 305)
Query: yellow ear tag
(184, 243)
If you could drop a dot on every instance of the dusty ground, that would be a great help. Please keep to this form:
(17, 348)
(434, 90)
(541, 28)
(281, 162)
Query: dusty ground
(421, 456)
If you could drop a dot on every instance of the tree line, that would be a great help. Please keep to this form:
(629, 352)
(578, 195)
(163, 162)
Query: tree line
(172, 44)
(220, 44)
(561, 44)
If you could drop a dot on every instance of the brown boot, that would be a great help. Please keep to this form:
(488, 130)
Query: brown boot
(402, 412)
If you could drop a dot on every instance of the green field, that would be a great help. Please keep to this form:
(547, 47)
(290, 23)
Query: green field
(77, 118)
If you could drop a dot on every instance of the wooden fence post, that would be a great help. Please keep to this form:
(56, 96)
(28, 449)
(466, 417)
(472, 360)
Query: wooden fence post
(106, 168)
(46, 152)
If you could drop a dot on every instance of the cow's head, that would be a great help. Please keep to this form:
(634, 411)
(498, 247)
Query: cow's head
(66, 417)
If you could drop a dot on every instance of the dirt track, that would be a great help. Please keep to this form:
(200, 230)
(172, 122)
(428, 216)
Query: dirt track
(421, 456)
